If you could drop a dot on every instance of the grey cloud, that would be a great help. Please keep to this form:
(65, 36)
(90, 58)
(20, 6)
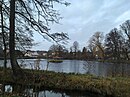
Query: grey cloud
(84, 17)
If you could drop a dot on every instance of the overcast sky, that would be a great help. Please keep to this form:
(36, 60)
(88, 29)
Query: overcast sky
(84, 17)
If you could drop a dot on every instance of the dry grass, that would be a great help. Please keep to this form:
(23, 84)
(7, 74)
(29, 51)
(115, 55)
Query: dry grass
(116, 87)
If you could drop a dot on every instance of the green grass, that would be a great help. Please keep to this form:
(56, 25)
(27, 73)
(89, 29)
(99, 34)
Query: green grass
(117, 86)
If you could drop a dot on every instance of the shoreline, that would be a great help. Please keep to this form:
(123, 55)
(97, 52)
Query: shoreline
(108, 61)
(109, 86)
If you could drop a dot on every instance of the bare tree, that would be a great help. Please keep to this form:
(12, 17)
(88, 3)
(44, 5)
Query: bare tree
(114, 43)
(96, 41)
(75, 48)
(3, 33)
(15, 67)
(125, 27)
(20, 36)
(36, 14)
(58, 50)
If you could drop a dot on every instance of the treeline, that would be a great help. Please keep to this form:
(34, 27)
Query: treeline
(115, 45)
(62, 52)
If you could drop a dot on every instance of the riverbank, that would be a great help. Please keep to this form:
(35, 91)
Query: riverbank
(116, 61)
(111, 87)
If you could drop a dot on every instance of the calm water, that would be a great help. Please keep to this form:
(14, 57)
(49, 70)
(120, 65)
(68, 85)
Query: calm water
(51, 93)
(77, 66)
(73, 66)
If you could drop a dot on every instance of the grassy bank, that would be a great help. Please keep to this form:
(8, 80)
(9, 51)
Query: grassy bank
(115, 87)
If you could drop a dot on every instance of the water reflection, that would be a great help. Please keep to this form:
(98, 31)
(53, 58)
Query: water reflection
(26, 92)
(77, 66)
(107, 69)
(8, 88)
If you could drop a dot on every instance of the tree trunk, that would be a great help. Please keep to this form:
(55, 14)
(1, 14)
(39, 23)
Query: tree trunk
(17, 71)
(103, 56)
(3, 36)
(126, 54)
